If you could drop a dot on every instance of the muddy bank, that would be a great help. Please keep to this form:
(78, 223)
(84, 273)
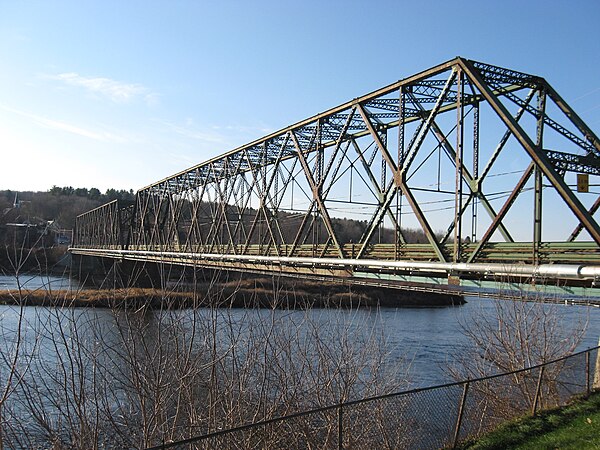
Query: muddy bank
(263, 293)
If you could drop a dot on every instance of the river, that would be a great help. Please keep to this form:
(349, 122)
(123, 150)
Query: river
(426, 338)
(31, 281)
(59, 346)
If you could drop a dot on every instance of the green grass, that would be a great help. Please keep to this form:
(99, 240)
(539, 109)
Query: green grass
(576, 426)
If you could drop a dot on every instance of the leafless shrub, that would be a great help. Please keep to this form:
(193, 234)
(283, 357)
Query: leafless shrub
(521, 332)
(132, 377)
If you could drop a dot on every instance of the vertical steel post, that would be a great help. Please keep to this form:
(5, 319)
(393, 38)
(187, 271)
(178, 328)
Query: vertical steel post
(596, 382)
(537, 213)
(317, 177)
(262, 197)
(401, 107)
(587, 373)
(401, 156)
(383, 139)
(131, 222)
(458, 161)
(537, 207)
(119, 240)
(475, 171)
(276, 185)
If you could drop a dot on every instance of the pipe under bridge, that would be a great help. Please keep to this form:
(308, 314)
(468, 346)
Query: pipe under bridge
(461, 173)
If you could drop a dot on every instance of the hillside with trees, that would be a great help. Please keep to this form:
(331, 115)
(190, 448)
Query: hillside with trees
(59, 204)
(36, 227)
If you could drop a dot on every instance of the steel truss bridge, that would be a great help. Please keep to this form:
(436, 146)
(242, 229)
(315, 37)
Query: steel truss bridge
(461, 173)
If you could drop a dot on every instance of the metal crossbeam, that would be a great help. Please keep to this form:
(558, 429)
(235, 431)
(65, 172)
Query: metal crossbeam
(341, 185)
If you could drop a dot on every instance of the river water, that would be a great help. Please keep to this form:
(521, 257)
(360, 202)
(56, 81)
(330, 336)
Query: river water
(426, 339)
(33, 282)
(107, 368)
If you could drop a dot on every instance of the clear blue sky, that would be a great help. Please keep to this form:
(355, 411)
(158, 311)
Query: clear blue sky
(123, 93)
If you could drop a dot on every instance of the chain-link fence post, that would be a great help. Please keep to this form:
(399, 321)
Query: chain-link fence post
(461, 409)
(587, 373)
(596, 384)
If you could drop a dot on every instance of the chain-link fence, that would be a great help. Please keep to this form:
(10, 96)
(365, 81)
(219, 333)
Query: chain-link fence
(427, 418)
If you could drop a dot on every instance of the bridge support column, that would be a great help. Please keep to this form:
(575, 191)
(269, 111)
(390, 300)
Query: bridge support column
(92, 270)
(141, 274)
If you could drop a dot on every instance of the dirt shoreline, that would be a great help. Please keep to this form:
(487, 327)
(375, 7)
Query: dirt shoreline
(239, 294)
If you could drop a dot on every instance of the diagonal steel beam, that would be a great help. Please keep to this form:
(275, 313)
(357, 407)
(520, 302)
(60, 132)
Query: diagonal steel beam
(342, 137)
(422, 220)
(252, 187)
(240, 202)
(224, 203)
(382, 147)
(317, 195)
(505, 137)
(381, 198)
(367, 168)
(377, 217)
(422, 132)
(590, 136)
(442, 139)
(579, 228)
(505, 208)
(263, 194)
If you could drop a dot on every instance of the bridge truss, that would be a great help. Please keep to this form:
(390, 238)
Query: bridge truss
(465, 170)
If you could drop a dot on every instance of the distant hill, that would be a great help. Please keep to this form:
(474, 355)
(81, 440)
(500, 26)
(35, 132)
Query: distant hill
(35, 226)
(59, 204)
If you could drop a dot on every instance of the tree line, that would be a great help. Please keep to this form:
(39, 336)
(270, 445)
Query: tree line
(93, 193)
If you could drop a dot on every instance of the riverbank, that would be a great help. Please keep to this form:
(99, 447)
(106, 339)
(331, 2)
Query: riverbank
(574, 426)
(260, 292)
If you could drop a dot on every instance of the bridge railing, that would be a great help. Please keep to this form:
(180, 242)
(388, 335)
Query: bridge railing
(494, 252)
(426, 418)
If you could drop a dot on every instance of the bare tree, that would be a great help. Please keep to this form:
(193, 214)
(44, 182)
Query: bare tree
(138, 375)
(17, 349)
(522, 332)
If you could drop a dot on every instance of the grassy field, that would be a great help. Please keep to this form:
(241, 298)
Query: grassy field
(576, 426)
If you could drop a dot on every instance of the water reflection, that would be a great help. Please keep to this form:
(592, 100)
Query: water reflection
(35, 281)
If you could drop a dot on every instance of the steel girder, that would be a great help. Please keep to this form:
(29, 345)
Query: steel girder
(443, 136)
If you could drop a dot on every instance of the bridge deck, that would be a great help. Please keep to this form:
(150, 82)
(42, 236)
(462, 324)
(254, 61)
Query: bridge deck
(495, 252)
(572, 264)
